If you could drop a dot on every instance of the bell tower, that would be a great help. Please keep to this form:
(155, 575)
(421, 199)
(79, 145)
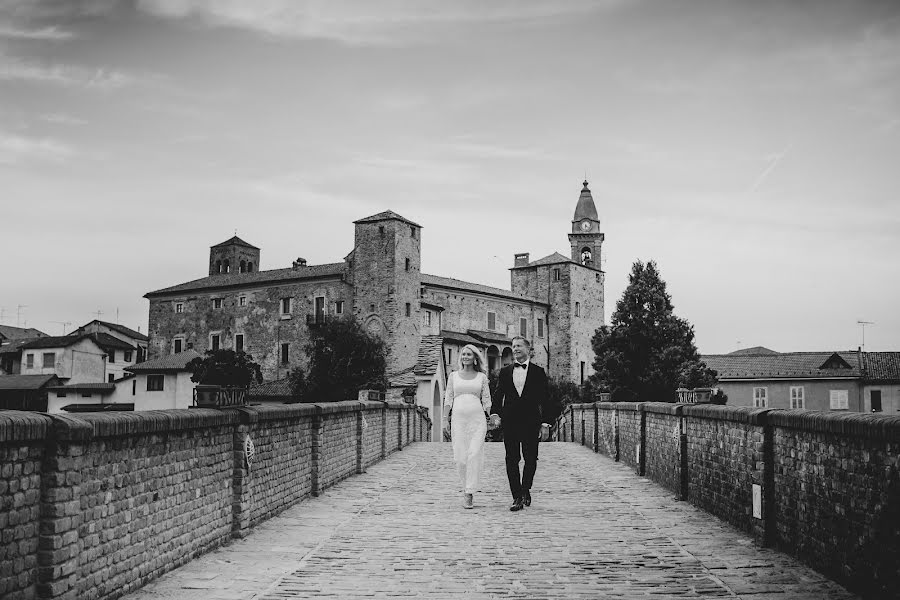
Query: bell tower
(586, 238)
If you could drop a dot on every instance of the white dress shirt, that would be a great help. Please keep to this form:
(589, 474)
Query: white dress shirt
(519, 374)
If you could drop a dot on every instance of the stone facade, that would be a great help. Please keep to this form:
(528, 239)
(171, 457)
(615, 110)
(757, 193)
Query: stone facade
(97, 506)
(821, 486)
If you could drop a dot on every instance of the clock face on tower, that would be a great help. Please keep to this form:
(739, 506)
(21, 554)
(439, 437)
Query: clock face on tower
(585, 225)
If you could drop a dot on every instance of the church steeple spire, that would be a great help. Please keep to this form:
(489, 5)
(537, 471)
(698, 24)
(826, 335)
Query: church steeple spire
(586, 238)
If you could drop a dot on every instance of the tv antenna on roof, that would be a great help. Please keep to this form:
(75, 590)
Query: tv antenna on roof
(863, 324)
(64, 325)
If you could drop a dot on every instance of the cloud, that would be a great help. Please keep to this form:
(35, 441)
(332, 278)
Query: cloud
(16, 149)
(16, 69)
(63, 119)
(470, 148)
(52, 34)
(382, 22)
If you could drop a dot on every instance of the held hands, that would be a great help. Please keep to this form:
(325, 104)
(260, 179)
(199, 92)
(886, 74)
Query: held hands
(544, 434)
(494, 421)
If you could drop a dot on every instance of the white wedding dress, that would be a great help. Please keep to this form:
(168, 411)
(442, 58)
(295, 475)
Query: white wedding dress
(468, 400)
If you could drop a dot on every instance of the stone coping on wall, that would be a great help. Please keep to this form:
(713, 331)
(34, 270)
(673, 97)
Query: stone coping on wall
(23, 426)
(16, 425)
(736, 414)
(867, 426)
(661, 408)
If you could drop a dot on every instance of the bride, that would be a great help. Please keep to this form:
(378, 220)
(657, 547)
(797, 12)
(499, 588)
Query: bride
(466, 402)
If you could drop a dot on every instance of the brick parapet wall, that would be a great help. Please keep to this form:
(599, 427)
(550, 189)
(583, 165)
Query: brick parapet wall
(96, 506)
(823, 487)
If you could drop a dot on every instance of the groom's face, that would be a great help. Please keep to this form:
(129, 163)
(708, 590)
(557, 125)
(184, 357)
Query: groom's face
(520, 350)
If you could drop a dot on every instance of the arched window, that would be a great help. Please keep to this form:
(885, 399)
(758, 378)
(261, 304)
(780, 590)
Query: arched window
(249, 267)
(585, 255)
(227, 266)
(218, 266)
(243, 266)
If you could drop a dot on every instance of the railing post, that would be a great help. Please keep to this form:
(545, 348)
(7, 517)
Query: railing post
(642, 447)
(318, 434)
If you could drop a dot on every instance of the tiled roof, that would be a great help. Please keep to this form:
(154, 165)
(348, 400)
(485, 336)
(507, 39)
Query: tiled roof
(20, 333)
(231, 280)
(493, 336)
(172, 362)
(754, 351)
(116, 327)
(55, 341)
(279, 388)
(402, 379)
(84, 387)
(881, 366)
(235, 241)
(385, 216)
(788, 365)
(552, 259)
(13, 346)
(431, 348)
(465, 338)
(106, 341)
(465, 286)
(25, 382)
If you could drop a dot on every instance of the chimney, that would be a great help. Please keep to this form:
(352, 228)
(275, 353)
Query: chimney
(300, 262)
(521, 259)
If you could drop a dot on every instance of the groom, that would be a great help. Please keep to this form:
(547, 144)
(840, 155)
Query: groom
(521, 406)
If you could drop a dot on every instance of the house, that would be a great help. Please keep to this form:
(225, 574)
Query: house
(157, 384)
(86, 358)
(11, 340)
(83, 397)
(133, 338)
(557, 302)
(761, 378)
(881, 382)
(26, 392)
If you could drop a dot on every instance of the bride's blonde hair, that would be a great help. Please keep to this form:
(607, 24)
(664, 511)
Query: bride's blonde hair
(478, 363)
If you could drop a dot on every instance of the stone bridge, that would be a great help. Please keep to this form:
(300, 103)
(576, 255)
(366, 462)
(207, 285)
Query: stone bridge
(166, 505)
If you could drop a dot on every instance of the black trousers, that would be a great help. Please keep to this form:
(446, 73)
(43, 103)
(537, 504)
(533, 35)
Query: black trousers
(521, 442)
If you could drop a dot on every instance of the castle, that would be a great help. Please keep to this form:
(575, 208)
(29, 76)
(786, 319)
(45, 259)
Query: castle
(556, 302)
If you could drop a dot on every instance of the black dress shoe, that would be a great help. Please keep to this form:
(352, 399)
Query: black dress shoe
(526, 499)
(519, 504)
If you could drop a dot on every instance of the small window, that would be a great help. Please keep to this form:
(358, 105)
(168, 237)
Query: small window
(134, 387)
(85, 394)
(407, 264)
(285, 306)
(177, 345)
(597, 275)
(155, 383)
(491, 321)
(127, 356)
(226, 266)
(556, 275)
(239, 342)
(243, 266)
(408, 309)
(797, 400)
(875, 400)
(217, 303)
(540, 328)
(218, 266)
(60, 394)
(371, 308)
(523, 327)
(339, 307)
(179, 307)
(250, 267)
(760, 397)
(578, 309)
(839, 399)
(582, 371)
(449, 356)
(242, 301)
(427, 318)
(49, 360)
(285, 353)
(412, 231)
(215, 341)
(111, 378)
(111, 356)
(381, 230)
(29, 361)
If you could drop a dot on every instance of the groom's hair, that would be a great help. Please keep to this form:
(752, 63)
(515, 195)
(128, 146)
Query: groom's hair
(519, 337)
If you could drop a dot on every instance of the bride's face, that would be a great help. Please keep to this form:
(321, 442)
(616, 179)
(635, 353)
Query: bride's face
(467, 358)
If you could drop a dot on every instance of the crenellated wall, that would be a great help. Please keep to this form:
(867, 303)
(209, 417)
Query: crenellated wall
(96, 506)
(822, 487)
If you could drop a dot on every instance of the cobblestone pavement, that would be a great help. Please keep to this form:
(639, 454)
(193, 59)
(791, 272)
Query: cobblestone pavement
(594, 530)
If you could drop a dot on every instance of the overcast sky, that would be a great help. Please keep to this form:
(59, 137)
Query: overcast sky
(750, 148)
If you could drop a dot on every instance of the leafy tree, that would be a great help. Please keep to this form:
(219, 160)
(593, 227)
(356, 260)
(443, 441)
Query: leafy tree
(343, 359)
(225, 368)
(647, 351)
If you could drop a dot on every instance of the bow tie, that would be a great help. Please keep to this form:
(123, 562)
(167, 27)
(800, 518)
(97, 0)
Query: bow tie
(517, 365)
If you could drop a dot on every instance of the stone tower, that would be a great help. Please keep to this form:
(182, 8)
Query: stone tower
(233, 256)
(586, 238)
(386, 271)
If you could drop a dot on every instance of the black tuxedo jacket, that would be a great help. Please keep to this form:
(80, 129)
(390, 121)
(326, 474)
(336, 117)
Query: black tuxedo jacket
(530, 409)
